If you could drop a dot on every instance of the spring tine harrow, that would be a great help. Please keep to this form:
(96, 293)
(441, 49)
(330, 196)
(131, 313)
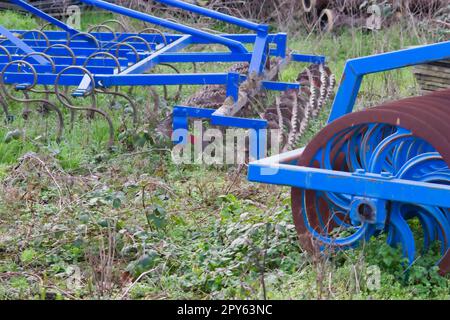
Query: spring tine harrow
(74, 67)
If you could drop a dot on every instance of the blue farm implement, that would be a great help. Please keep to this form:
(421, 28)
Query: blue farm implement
(102, 60)
(384, 170)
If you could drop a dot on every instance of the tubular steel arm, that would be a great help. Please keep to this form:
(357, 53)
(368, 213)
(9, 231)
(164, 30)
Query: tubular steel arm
(234, 46)
(356, 69)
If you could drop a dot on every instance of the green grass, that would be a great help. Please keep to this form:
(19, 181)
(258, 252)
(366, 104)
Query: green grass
(195, 231)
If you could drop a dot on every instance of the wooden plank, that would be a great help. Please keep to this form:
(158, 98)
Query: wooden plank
(433, 70)
(433, 76)
(426, 77)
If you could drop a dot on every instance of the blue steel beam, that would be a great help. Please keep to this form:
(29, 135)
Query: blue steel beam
(356, 69)
(56, 68)
(273, 171)
(122, 80)
(233, 45)
(153, 59)
(68, 61)
(259, 56)
(260, 48)
(279, 39)
(162, 79)
(181, 115)
(308, 58)
(216, 15)
(21, 45)
(78, 51)
(80, 44)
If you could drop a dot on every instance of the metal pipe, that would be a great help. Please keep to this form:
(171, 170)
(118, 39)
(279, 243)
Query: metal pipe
(216, 15)
(356, 69)
(231, 44)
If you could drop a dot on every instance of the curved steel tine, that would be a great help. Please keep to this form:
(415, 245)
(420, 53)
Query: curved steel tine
(146, 43)
(121, 44)
(52, 63)
(156, 31)
(39, 32)
(403, 233)
(2, 48)
(119, 23)
(27, 100)
(109, 55)
(180, 87)
(100, 26)
(69, 50)
(85, 34)
(91, 93)
(126, 97)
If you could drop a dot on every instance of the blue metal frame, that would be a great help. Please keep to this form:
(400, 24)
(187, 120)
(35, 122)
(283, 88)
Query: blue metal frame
(356, 69)
(283, 170)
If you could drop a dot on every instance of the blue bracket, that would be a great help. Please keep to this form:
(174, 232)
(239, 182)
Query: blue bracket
(258, 134)
(283, 170)
(308, 58)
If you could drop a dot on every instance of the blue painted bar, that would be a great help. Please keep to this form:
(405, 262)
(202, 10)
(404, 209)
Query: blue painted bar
(371, 185)
(122, 52)
(308, 58)
(233, 45)
(78, 43)
(185, 57)
(15, 68)
(259, 57)
(280, 86)
(216, 15)
(153, 59)
(162, 79)
(233, 83)
(356, 69)
(103, 62)
(22, 46)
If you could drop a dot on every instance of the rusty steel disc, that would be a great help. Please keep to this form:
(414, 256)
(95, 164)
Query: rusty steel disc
(426, 117)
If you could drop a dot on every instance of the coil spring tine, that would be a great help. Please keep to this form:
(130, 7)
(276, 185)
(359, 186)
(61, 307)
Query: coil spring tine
(84, 34)
(124, 96)
(27, 100)
(45, 25)
(93, 108)
(146, 43)
(60, 127)
(119, 23)
(46, 56)
(156, 31)
(109, 55)
(121, 44)
(180, 87)
(104, 54)
(99, 26)
(2, 48)
(3, 85)
(69, 50)
(39, 32)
